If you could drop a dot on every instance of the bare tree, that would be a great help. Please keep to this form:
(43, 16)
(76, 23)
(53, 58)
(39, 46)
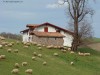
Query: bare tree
(85, 30)
(77, 10)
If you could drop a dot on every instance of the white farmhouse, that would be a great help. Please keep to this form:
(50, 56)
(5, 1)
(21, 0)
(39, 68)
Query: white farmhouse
(47, 34)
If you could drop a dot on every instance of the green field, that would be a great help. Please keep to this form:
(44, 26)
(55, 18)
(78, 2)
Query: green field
(56, 65)
(97, 40)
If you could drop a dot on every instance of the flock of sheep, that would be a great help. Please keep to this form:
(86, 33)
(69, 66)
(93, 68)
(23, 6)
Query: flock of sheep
(26, 45)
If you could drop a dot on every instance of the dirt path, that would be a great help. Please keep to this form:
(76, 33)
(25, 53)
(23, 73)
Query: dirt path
(95, 46)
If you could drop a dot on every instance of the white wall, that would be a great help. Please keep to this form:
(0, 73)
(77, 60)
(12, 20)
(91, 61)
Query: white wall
(26, 37)
(67, 39)
(41, 29)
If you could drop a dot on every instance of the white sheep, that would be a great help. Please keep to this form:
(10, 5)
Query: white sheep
(6, 45)
(16, 51)
(69, 49)
(34, 53)
(44, 63)
(15, 71)
(24, 63)
(55, 54)
(29, 71)
(55, 47)
(26, 46)
(39, 55)
(72, 63)
(9, 50)
(81, 54)
(10, 45)
(39, 45)
(17, 42)
(34, 43)
(87, 54)
(40, 48)
(49, 47)
(43, 45)
(64, 51)
(17, 65)
(72, 52)
(3, 56)
(1, 46)
(33, 58)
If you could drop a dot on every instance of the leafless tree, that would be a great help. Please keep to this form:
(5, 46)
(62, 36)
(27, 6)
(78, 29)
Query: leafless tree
(78, 10)
(85, 30)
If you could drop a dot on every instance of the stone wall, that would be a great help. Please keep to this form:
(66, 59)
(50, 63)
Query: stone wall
(48, 41)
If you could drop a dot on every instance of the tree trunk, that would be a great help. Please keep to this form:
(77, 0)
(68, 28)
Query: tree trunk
(75, 40)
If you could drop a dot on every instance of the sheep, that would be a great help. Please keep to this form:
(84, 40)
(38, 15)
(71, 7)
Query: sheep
(1, 46)
(29, 71)
(69, 49)
(55, 54)
(16, 51)
(87, 54)
(9, 50)
(81, 54)
(10, 45)
(72, 52)
(24, 63)
(17, 42)
(55, 47)
(34, 43)
(3, 56)
(39, 45)
(33, 58)
(2, 38)
(49, 47)
(6, 45)
(64, 51)
(40, 48)
(39, 55)
(26, 46)
(43, 45)
(72, 63)
(15, 71)
(44, 63)
(34, 53)
(17, 65)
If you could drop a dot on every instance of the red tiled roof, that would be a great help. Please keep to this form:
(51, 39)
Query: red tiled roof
(47, 34)
(38, 25)
(32, 25)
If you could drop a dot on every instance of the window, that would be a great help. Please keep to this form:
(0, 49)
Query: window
(58, 30)
(45, 29)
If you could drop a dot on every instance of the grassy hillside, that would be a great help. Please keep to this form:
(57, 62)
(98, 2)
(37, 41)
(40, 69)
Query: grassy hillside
(96, 40)
(56, 65)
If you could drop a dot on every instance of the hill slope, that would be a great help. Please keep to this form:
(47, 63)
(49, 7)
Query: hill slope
(56, 65)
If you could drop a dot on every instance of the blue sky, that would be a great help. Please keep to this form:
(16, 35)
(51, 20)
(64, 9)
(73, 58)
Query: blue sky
(14, 16)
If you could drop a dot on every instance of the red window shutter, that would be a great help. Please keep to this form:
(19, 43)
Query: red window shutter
(45, 29)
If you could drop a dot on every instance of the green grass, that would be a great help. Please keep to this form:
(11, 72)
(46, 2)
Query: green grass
(83, 65)
(97, 40)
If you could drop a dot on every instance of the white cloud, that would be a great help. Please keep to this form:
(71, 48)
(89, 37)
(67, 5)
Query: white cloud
(59, 4)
